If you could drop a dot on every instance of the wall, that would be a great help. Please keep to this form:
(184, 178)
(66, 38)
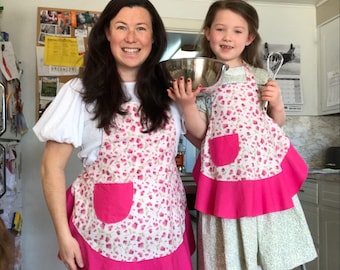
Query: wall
(279, 23)
(311, 135)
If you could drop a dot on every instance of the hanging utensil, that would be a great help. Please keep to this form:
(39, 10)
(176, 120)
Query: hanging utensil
(21, 125)
(274, 64)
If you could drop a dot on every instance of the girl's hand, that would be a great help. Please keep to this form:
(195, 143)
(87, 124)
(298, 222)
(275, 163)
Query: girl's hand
(271, 92)
(182, 92)
(194, 120)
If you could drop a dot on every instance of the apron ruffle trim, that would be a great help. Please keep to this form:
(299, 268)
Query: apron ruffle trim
(179, 259)
(250, 198)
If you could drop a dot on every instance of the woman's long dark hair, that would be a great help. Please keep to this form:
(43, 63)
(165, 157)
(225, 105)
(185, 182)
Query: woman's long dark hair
(251, 54)
(102, 81)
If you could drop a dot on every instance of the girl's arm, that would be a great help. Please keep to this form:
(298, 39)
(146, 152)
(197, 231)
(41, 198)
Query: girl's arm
(194, 120)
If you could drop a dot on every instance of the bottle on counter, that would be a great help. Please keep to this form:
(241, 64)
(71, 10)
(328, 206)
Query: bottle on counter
(180, 156)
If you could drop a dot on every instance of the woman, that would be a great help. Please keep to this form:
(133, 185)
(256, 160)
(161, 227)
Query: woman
(127, 208)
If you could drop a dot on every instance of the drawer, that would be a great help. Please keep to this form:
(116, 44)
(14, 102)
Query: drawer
(187, 178)
(330, 194)
(309, 192)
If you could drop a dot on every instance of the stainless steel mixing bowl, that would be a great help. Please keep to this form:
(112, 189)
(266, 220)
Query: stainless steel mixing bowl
(202, 70)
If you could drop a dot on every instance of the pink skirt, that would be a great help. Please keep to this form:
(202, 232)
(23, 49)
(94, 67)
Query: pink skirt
(250, 198)
(179, 259)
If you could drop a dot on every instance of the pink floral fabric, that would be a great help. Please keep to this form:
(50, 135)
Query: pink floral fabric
(247, 165)
(129, 205)
(242, 141)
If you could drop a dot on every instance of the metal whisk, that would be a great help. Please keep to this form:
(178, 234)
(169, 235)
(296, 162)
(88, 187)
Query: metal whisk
(274, 64)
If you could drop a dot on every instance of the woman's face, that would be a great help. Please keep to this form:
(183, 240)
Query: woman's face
(130, 36)
(228, 36)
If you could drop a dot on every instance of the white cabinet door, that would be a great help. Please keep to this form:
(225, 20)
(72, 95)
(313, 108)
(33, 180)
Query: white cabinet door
(329, 238)
(329, 68)
(310, 203)
(329, 226)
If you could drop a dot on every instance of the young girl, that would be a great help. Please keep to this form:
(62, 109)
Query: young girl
(248, 173)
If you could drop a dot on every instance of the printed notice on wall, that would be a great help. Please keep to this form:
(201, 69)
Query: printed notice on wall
(291, 92)
(44, 70)
(61, 51)
(333, 93)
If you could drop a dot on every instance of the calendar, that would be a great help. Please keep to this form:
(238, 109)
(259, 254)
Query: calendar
(291, 92)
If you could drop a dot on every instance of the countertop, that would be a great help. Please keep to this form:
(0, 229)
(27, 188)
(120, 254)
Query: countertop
(321, 175)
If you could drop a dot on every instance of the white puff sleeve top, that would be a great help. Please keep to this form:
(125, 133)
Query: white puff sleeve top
(68, 120)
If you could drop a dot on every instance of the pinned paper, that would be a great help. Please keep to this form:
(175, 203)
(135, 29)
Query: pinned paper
(333, 93)
(62, 51)
(44, 70)
(8, 62)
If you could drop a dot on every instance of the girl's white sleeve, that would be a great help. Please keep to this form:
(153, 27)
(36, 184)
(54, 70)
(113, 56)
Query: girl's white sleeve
(63, 120)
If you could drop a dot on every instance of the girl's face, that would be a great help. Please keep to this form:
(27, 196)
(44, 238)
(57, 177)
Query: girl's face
(130, 37)
(228, 36)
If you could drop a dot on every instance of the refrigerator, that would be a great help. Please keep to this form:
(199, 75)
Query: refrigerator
(11, 205)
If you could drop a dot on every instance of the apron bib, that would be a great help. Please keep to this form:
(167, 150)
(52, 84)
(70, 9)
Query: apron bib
(242, 141)
(129, 205)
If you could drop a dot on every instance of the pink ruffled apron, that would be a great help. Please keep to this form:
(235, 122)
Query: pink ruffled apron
(247, 166)
(128, 208)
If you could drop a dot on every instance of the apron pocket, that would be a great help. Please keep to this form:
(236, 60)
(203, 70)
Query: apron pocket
(112, 201)
(224, 149)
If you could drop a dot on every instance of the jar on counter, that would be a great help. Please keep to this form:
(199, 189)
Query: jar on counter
(180, 156)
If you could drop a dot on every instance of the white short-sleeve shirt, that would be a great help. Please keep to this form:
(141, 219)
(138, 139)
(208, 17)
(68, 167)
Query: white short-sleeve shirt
(68, 120)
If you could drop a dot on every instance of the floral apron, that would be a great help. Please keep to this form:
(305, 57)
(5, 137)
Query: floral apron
(247, 166)
(129, 205)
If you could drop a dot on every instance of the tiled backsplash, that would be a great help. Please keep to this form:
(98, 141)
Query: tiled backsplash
(312, 135)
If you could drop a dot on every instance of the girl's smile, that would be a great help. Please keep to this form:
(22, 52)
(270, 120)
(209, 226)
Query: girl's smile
(228, 36)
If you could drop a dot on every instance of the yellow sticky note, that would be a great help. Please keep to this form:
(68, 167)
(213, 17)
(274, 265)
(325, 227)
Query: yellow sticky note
(62, 51)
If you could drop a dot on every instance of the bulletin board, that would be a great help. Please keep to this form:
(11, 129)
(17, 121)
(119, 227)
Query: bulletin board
(62, 36)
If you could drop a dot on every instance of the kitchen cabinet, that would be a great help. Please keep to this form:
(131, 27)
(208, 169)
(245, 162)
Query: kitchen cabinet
(326, 10)
(320, 200)
(310, 203)
(329, 226)
(190, 190)
(329, 67)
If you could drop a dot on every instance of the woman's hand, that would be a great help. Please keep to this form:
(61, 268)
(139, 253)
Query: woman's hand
(70, 254)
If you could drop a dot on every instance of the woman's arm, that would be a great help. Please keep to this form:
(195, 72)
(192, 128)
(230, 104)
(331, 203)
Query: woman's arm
(54, 160)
